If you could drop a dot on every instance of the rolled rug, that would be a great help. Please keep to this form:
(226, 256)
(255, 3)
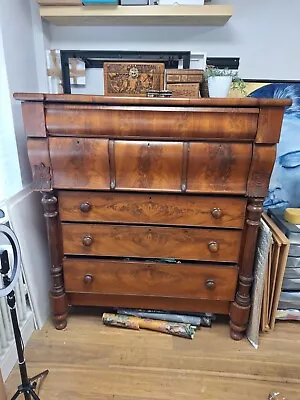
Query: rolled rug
(172, 328)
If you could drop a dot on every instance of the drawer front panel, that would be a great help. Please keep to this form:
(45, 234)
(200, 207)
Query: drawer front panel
(150, 279)
(151, 242)
(153, 122)
(209, 211)
(143, 165)
(219, 167)
(80, 163)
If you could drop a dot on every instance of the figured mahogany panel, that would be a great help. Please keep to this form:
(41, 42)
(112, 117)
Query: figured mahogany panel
(219, 167)
(209, 211)
(208, 282)
(152, 122)
(38, 153)
(269, 125)
(149, 302)
(80, 163)
(261, 168)
(151, 242)
(34, 119)
(148, 165)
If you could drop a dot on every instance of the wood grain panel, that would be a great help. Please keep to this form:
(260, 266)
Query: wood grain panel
(150, 279)
(148, 165)
(149, 302)
(261, 168)
(151, 242)
(80, 163)
(34, 119)
(219, 167)
(38, 153)
(236, 102)
(153, 209)
(152, 122)
(269, 125)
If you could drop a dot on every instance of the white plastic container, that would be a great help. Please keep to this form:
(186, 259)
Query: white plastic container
(218, 86)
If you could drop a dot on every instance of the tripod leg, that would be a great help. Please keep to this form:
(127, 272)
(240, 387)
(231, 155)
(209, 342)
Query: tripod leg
(41, 375)
(16, 395)
(34, 395)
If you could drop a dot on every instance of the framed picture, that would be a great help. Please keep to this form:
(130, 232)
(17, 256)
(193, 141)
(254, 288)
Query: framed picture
(284, 188)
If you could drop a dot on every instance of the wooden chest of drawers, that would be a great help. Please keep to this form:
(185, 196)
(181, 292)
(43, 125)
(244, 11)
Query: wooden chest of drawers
(152, 203)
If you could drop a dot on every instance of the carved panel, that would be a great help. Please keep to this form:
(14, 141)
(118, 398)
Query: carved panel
(261, 169)
(38, 152)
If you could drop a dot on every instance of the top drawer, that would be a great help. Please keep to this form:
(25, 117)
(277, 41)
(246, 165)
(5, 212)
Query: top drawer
(152, 122)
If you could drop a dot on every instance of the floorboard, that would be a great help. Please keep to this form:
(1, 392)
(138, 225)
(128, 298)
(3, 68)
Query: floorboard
(91, 361)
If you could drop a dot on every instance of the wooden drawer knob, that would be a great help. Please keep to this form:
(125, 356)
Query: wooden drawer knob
(85, 207)
(87, 240)
(88, 279)
(210, 284)
(216, 213)
(213, 247)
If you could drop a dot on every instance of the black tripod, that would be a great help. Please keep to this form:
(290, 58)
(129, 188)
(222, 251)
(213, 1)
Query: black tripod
(28, 385)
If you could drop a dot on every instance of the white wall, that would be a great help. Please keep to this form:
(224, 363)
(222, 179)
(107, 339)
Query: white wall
(22, 38)
(263, 33)
(23, 69)
(10, 177)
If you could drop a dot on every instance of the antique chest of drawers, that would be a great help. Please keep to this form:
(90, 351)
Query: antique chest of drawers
(152, 203)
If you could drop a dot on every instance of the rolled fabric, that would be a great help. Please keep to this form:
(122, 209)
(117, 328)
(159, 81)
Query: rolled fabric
(172, 328)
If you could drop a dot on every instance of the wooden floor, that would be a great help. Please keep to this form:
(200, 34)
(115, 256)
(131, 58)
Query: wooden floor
(90, 361)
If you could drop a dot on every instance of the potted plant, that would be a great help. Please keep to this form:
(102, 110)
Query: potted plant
(221, 80)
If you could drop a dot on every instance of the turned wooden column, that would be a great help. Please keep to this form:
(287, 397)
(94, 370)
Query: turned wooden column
(57, 294)
(240, 309)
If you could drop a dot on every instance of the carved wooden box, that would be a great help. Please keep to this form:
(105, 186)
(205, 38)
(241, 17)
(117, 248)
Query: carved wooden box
(184, 89)
(132, 79)
(131, 182)
(184, 75)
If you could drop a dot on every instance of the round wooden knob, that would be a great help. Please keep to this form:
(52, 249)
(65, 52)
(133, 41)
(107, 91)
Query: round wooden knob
(213, 247)
(88, 278)
(85, 207)
(210, 284)
(216, 213)
(87, 240)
